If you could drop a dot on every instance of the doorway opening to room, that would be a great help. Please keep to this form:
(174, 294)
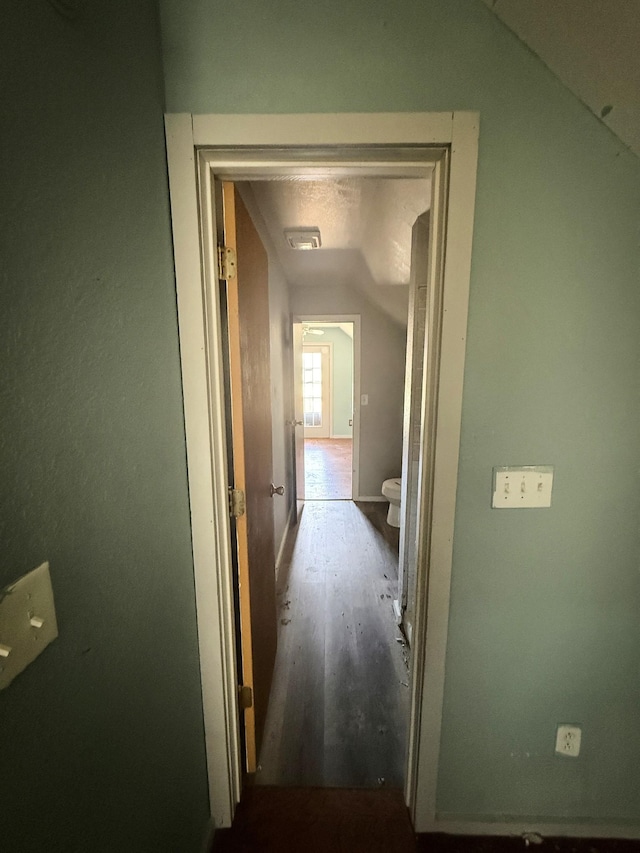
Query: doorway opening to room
(337, 573)
(328, 408)
(208, 344)
(323, 644)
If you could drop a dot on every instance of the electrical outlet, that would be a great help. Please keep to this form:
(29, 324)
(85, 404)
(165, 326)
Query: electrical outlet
(27, 622)
(568, 738)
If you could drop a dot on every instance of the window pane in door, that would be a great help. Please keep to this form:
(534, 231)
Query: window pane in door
(312, 388)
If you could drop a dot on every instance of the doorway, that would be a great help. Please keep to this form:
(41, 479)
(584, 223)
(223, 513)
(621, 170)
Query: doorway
(328, 408)
(317, 730)
(338, 714)
(341, 555)
(449, 141)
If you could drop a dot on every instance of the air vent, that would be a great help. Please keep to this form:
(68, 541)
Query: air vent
(303, 238)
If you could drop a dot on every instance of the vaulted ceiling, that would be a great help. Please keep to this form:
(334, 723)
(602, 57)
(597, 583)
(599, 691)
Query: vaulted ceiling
(365, 229)
(592, 46)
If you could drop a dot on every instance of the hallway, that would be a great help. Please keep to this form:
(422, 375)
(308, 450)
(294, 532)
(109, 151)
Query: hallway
(338, 714)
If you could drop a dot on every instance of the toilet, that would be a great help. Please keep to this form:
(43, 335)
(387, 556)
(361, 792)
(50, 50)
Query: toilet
(392, 490)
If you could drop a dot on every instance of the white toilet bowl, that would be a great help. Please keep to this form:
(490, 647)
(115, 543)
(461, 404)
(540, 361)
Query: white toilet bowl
(392, 489)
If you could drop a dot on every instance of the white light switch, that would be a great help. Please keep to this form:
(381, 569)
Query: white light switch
(27, 622)
(524, 487)
(364, 399)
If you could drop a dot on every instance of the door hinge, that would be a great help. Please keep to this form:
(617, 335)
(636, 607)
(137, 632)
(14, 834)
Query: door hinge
(226, 262)
(245, 697)
(237, 503)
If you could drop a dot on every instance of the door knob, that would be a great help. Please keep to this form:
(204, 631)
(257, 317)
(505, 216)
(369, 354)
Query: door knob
(295, 423)
(276, 490)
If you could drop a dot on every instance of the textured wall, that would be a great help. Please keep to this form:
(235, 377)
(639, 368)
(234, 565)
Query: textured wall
(101, 739)
(544, 611)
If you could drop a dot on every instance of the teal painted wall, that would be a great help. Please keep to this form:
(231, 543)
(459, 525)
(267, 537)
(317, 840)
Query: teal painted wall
(544, 621)
(101, 739)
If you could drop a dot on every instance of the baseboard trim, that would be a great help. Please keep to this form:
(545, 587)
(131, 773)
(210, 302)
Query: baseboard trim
(341, 436)
(407, 628)
(588, 828)
(397, 611)
(370, 498)
(283, 541)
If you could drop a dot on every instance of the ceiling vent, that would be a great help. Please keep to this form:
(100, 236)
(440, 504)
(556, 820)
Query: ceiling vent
(303, 238)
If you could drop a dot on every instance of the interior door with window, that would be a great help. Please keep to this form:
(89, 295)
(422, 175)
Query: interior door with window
(316, 396)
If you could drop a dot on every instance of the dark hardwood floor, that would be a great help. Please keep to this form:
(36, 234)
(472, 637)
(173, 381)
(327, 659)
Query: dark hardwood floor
(327, 468)
(338, 713)
(312, 820)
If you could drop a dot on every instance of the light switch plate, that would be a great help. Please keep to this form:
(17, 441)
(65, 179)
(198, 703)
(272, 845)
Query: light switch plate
(522, 487)
(27, 622)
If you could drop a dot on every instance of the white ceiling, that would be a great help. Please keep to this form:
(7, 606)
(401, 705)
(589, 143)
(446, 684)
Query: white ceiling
(593, 46)
(365, 225)
(347, 328)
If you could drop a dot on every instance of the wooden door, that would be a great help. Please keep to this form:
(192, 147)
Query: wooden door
(297, 421)
(250, 404)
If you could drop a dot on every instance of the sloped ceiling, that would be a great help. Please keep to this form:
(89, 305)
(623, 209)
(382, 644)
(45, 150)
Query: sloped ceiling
(593, 46)
(365, 226)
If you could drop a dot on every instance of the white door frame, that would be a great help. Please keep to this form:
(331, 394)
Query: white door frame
(355, 448)
(455, 133)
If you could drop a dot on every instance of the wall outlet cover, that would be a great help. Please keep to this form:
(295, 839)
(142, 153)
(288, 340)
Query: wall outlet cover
(568, 740)
(27, 622)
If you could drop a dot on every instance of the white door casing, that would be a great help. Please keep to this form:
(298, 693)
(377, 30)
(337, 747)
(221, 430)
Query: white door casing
(448, 143)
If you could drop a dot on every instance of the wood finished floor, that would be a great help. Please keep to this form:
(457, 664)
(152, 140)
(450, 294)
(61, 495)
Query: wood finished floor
(327, 468)
(312, 820)
(338, 713)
